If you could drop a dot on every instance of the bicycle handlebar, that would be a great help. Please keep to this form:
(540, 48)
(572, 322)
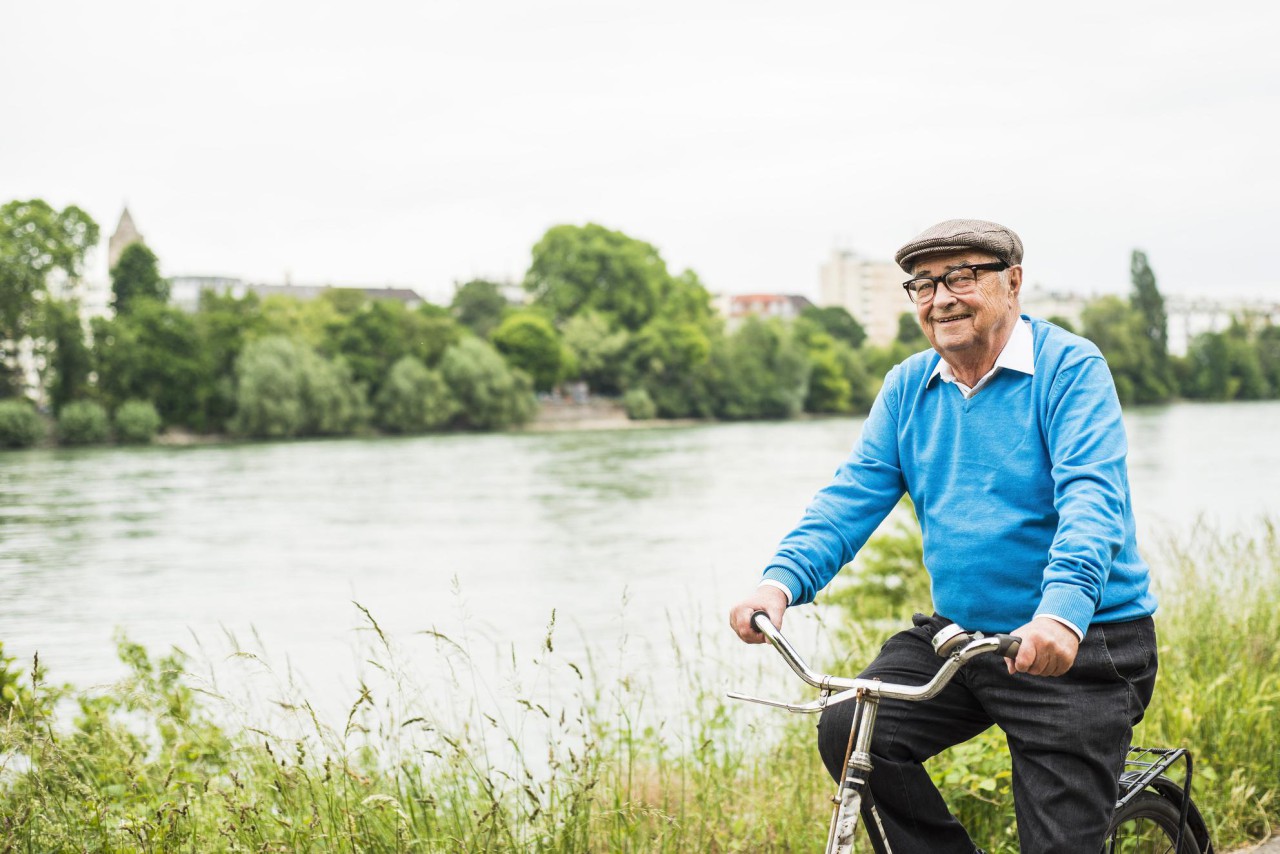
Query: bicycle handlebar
(848, 689)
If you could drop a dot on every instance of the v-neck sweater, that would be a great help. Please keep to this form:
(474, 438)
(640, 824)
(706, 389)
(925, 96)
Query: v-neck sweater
(1022, 492)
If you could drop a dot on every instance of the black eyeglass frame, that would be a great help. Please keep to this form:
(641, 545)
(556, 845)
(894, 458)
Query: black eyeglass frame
(993, 266)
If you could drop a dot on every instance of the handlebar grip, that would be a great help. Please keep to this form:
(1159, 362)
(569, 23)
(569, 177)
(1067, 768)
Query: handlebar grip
(1009, 645)
(760, 615)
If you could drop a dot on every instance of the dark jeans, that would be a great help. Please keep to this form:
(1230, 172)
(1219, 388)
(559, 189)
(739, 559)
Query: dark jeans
(1068, 736)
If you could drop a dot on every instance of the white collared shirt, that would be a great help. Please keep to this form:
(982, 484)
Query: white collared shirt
(1018, 355)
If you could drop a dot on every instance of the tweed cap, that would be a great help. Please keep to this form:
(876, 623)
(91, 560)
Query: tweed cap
(956, 234)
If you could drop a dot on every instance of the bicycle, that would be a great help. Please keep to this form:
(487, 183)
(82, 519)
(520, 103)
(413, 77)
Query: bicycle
(1154, 813)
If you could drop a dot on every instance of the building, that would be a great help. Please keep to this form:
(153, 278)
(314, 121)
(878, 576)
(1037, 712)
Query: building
(737, 307)
(184, 291)
(871, 291)
(126, 233)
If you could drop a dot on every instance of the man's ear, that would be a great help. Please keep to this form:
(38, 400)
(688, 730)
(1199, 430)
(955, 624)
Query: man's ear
(1015, 279)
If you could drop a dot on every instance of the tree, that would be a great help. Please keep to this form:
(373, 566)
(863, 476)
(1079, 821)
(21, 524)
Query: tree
(154, 353)
(838, 323)
(1230, 365)
(284, 388)
(378, 333)
(1119, 331)
(35, 241)
(136, 276)
(599, 354)
(491, 394)
(910, 333)
(68, 360)
(479, 305)
(223, 325)
(575, 268)
(686, 300)
(761, 371)
(1146, 299)
(414, 399)
(529, 342)
(669, 360)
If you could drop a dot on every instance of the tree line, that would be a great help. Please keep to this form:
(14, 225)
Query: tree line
(601, 309)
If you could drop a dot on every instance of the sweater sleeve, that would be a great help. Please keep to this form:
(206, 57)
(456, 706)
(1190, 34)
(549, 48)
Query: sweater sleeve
(845, 513)
(1087, 447)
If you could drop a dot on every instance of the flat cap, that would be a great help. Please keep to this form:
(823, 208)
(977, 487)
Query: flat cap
(956, 234)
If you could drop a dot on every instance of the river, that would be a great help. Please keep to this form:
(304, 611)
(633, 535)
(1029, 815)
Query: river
(626, 534)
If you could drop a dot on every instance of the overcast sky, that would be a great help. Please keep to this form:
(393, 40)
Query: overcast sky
(422, 143)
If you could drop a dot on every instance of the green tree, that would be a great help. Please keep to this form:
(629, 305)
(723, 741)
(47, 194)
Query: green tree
(223, 324)
(153, 353)
(136, 276)
(414, 399)
(284, 389)
(1146, 298)
(1147, 301)
(529, 342)
(686, 300)
(378, 333)
(1269, 355)
(599, 354)
(68, 360)
(761, 371)
(838, 323)
(669, 360)
(910, 333)
(1228, 365)
(575, 268)
(35, 241)
(312, 322)
(491, 395)
(1119, 331)
(479, 305)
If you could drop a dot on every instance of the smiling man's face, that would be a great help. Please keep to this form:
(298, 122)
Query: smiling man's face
(971, 328)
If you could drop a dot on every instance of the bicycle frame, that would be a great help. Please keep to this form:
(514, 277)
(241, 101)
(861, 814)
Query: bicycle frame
(866, 695)
(1144, 771)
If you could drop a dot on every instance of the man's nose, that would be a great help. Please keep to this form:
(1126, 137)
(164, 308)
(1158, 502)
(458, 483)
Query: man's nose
(942, 295)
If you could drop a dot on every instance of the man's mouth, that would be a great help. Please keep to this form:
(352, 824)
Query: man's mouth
(950, 318)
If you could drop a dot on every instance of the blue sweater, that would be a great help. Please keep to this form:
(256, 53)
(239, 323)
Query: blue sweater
(1021, 491)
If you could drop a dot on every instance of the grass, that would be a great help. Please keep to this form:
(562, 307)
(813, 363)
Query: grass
(559, 760)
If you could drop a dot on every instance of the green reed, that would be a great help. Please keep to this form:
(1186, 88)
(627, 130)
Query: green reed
(559, 759)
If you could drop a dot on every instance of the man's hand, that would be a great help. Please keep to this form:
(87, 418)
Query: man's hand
(769, 599)
(1048, 648)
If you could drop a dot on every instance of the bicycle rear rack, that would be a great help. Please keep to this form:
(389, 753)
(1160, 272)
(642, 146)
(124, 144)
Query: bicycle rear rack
(1144, 766)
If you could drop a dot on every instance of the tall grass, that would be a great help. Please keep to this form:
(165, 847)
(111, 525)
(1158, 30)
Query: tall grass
(558, 759)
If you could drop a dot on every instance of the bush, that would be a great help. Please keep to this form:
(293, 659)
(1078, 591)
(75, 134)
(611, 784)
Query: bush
(492, 395)
(413, 399)
(639, 405)
(287, 389)
(20, 425)
(83, 422)
(529, 342)
(137, 422)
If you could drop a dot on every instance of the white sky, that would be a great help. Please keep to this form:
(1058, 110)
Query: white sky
(422, 143)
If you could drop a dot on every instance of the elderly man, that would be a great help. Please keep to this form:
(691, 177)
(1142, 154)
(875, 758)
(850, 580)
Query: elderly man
(1007, 436)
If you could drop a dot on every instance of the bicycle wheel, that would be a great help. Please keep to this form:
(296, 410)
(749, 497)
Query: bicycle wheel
(1148, 824)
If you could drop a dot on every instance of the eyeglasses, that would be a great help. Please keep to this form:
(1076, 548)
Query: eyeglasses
(961, 280)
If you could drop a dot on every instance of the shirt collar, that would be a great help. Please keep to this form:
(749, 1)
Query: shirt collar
(1018, 355)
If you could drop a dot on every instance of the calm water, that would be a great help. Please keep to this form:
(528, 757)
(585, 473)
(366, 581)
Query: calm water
(624, 533)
